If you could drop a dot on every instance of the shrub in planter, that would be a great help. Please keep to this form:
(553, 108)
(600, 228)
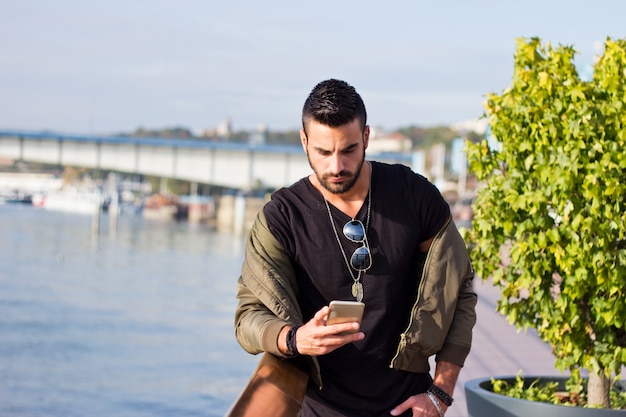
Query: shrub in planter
(549, 223)
(530, 396)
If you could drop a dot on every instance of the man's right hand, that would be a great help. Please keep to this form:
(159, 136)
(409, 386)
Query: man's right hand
(315, 338)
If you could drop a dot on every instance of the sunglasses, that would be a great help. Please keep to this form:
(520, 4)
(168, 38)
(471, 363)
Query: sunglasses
(361, 259)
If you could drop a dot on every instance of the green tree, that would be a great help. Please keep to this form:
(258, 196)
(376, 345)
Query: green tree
(425, 137)
(550, 222)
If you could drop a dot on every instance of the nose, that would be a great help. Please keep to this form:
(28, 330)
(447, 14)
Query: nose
(336, 163)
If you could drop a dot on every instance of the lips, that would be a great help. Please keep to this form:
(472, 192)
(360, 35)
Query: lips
(337, 180)
(341, 177)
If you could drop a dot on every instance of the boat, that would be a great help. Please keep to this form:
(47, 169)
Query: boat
(71, 200)
(16, 198)
(163, 207)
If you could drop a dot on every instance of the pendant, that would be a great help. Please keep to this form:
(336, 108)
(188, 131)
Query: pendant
(357, 291)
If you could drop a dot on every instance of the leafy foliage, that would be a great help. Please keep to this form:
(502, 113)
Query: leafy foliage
(533, 391)
(574, 393)
(426, 137)
(169, 133)
(550, 223)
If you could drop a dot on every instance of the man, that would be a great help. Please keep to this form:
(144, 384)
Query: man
(413, 274)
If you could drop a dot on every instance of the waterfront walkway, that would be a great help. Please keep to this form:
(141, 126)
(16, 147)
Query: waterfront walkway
(499, 349)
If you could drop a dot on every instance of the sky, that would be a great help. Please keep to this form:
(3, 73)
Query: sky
(111, 66)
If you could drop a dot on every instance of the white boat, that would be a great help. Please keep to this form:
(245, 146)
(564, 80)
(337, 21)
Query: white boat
(72, 200)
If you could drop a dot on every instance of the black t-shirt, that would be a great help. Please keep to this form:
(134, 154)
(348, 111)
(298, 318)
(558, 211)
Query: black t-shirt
(406, 210)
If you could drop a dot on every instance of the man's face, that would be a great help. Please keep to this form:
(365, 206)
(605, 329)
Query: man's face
(336, 154)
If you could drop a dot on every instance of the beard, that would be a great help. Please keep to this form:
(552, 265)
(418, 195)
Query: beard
(334, 188)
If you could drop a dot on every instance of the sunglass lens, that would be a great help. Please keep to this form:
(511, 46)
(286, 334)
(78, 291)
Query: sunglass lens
(361, 259)
(354, 231)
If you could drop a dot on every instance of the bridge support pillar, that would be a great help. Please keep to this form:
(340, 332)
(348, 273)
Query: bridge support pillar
(240, 214)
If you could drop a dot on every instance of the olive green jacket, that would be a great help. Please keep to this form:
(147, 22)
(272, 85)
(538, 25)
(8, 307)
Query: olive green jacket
(441, 320)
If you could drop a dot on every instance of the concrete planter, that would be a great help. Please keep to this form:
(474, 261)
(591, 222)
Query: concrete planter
(481, 402)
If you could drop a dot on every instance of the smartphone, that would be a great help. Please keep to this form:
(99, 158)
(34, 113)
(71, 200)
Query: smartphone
(345, 312)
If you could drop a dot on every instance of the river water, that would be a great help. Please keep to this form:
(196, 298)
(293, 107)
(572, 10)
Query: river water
(136, 320)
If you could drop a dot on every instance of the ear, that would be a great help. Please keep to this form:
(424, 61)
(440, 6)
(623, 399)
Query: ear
(303, 140)
(366, 136)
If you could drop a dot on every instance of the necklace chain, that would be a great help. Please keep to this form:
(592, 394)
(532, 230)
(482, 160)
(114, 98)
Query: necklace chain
(357, 286)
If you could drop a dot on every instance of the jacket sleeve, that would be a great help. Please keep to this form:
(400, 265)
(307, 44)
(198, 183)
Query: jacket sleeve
(266, 291)
(443, 315)
(458, 341)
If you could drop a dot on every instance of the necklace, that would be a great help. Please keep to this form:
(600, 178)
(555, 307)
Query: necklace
(357, 286)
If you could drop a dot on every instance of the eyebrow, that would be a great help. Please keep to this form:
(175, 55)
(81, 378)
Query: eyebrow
(348, 148)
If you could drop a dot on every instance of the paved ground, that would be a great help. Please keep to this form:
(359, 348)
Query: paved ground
(498, 349)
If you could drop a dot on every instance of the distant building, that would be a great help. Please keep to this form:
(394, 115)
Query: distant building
(388, 142)
(476, 125)
(221, 131)
(259, 137)
(224, 129)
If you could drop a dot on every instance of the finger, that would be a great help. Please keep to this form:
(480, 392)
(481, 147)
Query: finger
(406, 405)
(357, 336)
(320, 316)
(343, 328)
(399, 409)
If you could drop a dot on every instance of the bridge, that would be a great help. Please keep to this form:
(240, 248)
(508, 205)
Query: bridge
(229, 165)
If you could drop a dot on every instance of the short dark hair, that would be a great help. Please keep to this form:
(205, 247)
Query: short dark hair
(333, 103)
